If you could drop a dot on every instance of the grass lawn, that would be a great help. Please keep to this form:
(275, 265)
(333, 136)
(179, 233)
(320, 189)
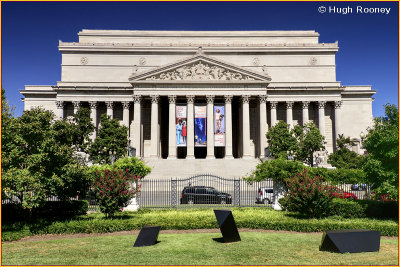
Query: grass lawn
(256, 248)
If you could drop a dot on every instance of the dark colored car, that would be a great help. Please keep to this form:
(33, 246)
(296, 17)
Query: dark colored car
(204, 195)
(339, 193)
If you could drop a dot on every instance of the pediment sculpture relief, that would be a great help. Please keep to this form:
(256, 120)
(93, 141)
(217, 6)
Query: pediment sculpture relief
(199, 72)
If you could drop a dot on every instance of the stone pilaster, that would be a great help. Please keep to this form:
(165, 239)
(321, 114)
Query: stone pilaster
(246, 126)
(210, 127)
(154, 126)
(338, 130)
(190, 127)
(263, 124)
(172, 127)
(125, 115)
(228, 127)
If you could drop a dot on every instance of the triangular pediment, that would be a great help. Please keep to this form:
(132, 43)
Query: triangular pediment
(200, 68)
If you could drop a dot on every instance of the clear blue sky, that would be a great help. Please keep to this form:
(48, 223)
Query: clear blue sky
(368, 43)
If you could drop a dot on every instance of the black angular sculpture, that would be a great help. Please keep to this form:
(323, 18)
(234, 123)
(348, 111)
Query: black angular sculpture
(227, 225)
(147, 236)
(352, 241)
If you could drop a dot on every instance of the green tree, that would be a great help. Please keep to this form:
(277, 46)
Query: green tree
(83, 127)
(382, 143)
(111, 138)
(343, 157)
(38, 160)
(281, 140)
(309, 141)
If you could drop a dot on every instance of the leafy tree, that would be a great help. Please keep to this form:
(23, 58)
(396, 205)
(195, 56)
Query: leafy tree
(83, 127)
(281, 140)
(111, 138)
(343, 157)
(309, 140)
(38, 160)
(382, 143)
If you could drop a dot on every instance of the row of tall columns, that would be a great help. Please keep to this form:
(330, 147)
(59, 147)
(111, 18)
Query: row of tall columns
(154, 149)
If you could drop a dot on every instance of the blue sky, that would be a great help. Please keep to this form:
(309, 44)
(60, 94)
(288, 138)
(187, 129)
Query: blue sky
(368, 43)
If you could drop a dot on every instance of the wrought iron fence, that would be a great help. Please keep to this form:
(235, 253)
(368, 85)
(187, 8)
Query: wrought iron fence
(207, 190)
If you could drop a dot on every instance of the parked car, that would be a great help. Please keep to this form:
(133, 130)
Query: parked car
(339, 193)
(265, 195)
(204, 195)
(358, 187)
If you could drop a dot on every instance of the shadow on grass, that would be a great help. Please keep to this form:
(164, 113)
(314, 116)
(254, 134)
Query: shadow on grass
(219, 239)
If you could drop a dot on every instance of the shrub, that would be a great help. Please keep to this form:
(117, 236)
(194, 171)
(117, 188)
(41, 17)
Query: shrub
(308, 195)
(113, 190)
(50, 209)
(380, 209)
(347, 208)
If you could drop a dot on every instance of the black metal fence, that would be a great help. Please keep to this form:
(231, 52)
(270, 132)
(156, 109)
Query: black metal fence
(207, 190)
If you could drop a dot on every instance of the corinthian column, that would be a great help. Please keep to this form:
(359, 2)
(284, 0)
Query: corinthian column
(321, 117)
(263, 124)
(289, 113)
(228, 127)
(210, 127)
(273, 104)
(110, 107)
(154, 126)
(190, 127)
(338, 130)
(77, 105)
(172, 127)
(125, 115)
(246, 126)
(60, 109)
(136, 125)
(305, 105)
(93, 116)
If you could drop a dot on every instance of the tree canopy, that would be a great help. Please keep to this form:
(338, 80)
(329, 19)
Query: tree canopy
(281, 140)
(343, 157)
(111, 141)
(382, 144)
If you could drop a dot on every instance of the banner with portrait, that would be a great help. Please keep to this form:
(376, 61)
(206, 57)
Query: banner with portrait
(181, 125)
(219, 125)
(200, 125)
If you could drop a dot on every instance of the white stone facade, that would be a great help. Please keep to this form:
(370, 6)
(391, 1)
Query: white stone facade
(261, 77)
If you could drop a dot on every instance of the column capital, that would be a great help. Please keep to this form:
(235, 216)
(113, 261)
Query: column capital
(60, 104)
(228, 99)
(154, 99)
(136, 99)
(172, 99)
(273, 104)
(126, 104)
(109, 104)
(289, 104)
(321, 104)
(305, 104)
(338, 104)
(93, 104)
(245, 99)
(262, 99)
(190, 99)
(210, 99)
(77, 104)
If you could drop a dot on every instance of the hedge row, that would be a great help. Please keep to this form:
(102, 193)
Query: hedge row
(366, 208)
(256, 218)
(51, 209)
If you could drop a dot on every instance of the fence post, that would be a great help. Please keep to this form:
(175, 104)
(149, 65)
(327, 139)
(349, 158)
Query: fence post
(174, 201)
(236, 185)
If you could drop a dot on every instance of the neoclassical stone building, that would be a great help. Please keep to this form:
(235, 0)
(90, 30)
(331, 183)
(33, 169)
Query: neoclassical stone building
(228, 87)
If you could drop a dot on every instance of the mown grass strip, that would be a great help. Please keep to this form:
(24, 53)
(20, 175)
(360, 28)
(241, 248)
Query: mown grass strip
(255, 218)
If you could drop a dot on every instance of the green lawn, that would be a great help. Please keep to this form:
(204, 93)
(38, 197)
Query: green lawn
(256, 248)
